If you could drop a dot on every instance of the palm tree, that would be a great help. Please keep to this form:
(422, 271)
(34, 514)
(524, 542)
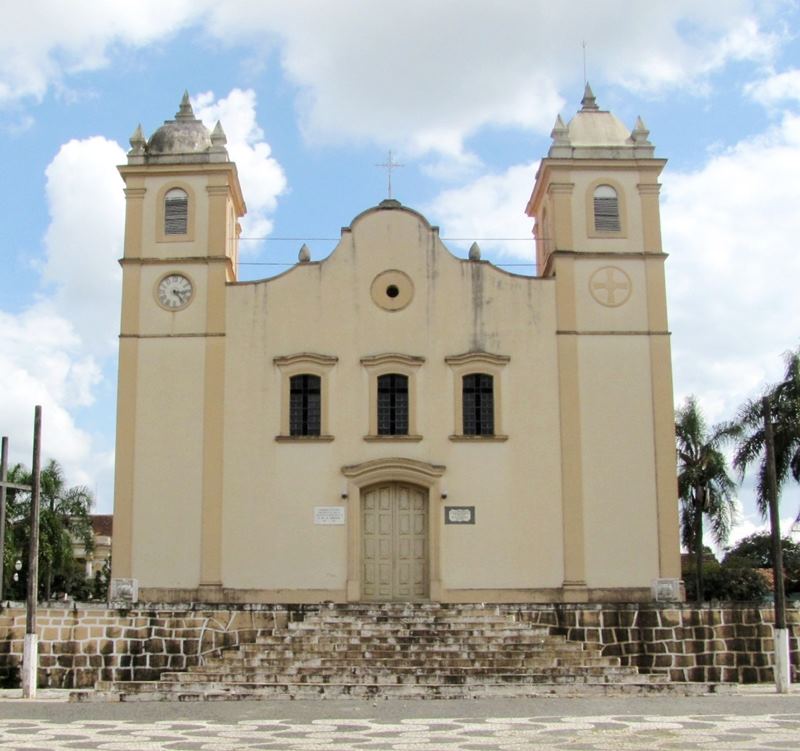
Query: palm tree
(704, 483)
(64, 519)
(784, 402)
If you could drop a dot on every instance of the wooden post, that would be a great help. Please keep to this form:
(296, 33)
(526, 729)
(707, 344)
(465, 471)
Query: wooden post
(30, 660)
(3, 478)
(782, 665)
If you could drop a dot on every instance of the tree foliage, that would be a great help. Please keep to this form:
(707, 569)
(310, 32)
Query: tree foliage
(705, 487)
(784, 401)
(64, 519)
(755, 551)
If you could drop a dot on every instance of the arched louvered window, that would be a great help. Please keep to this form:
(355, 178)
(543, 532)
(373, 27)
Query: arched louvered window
(606, 209)
(393, 404)
(176, 212)
(478, 404)
(304, 404)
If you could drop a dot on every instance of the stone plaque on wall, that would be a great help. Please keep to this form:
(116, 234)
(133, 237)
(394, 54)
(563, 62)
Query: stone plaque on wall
(329, 515)
(459, 514)
(124, 590)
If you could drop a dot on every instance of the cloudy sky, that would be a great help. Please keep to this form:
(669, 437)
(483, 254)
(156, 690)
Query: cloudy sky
(313, 94)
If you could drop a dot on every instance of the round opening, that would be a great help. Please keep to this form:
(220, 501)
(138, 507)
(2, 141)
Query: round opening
(392, 291)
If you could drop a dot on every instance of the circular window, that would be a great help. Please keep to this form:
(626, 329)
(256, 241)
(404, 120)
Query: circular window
(392, 290)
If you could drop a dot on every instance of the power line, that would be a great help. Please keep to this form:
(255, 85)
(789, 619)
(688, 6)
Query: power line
(294, 263)
(336, 239)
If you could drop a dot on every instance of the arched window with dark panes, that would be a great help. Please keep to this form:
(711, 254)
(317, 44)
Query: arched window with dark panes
(304, 405)
(392, 404)
(606, 209)
(478, 404)
(176, 212)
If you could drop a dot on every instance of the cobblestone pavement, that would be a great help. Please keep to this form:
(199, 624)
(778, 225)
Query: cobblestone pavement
(776, 732)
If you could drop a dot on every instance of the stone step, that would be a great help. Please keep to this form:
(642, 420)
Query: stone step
(404, 650)
(163, 691)
(390, 676)
(344, 659)
(435, 624)
(309, 639)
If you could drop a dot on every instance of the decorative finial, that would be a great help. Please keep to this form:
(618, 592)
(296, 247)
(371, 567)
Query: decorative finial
(137, 142)
(304, 256)
(185, 112)
(218, 138)
(474, 252)
(640, 133)
(560, 133)
(588, 102)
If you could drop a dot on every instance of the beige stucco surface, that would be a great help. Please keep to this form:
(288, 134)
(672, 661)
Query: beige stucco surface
(574, 495)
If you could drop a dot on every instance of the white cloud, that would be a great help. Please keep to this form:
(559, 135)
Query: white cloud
(417, 76)
(491, 206)
(262, 178)
(424, 76)
(83, 241)
(775, 89)
(54, 352)
(43, 364)
(730, 228)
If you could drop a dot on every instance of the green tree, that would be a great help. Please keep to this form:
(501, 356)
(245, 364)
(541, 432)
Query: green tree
(64, 519)
(784, 401)
(705, 487)
(755, 551)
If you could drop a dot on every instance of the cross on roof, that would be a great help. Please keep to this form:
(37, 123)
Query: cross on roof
(389, 165)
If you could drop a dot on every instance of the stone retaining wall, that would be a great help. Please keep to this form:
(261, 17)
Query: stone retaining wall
(80, 644)
(728, 643)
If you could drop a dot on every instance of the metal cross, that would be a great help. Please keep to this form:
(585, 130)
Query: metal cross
(389, 165)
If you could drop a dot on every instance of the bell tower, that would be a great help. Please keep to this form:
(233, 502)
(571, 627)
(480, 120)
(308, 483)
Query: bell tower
(598, 237)
(183, 203)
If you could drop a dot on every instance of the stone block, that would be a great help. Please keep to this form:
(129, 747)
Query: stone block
(648, 619)
(749, 675)
(154, 646)
(663, 661)
(678, 675)
(670, 618)
(173, 646)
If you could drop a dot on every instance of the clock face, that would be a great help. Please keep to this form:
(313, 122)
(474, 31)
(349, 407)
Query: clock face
(174, 291)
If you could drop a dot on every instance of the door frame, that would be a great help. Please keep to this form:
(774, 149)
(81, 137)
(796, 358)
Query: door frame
(359, 478)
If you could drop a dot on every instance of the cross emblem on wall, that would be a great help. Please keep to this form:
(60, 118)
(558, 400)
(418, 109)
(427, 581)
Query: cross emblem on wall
(610, 286)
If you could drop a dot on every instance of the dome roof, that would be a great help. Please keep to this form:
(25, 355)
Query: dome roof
(183, 135)
(598, 134)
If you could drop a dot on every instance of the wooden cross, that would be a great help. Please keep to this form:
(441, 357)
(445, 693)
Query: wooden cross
(389, 165)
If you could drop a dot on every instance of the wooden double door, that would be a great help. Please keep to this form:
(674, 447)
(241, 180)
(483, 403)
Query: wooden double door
(394, 538)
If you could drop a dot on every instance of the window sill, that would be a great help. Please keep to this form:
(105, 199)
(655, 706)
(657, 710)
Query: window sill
(303, 438)
(478, 438)
(392, 438)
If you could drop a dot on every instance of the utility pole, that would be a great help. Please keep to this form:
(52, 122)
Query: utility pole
(3, 478)
(30, 658)
(5, 485)
(782, 664)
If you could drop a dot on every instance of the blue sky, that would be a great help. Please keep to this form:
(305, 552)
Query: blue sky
(312, 96)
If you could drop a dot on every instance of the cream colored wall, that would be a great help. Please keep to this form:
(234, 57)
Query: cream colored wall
(197, 185)
(617, 457)
(269, 536)
(168, 451)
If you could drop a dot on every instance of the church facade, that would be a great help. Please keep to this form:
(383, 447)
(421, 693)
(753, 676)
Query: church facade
(394, 422)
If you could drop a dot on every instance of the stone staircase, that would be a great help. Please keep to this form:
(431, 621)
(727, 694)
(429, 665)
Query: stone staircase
(402, 650)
